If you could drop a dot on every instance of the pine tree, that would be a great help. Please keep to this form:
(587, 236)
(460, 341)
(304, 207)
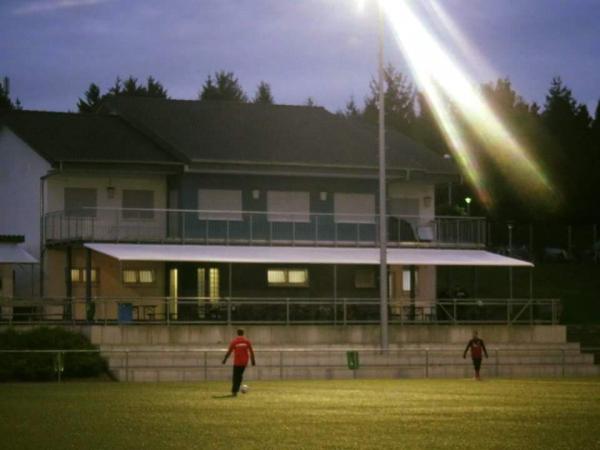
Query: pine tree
(351, 110)
(568, 124)
(6, 103)
(91, 101)
(399, 101)
(225, 86)
(263, 94)
(128, 88)
(310, 102)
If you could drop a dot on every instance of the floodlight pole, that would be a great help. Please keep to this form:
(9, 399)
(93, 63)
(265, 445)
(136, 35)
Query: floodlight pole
(383, 276)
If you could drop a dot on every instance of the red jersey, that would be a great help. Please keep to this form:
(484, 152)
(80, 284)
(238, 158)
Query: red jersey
(241, 348)
(477, 347)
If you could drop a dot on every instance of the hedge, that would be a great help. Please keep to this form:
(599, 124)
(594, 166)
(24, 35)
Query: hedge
(43, 366)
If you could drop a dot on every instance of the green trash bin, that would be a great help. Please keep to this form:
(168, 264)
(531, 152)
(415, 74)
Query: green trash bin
(352, 358)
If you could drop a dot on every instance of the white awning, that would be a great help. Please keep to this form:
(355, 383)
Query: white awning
(302, 255)
(15, 254)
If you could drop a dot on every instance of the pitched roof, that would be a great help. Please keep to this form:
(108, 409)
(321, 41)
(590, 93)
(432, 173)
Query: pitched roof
(71, 137)
(233, 132)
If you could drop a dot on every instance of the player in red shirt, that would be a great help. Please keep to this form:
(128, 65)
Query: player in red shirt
(241, 348)
(477, 347)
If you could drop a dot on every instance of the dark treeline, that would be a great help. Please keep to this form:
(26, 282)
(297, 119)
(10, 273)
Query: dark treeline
(561, 136)
(6, 103)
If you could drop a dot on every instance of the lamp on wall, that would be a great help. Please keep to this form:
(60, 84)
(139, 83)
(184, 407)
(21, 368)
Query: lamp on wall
(323, 196)
(110, 191)
(255, 194)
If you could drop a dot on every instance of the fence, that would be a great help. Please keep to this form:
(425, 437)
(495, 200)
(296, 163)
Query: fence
(551, 242)
(233, 310)
(258, 228)
(205, 364)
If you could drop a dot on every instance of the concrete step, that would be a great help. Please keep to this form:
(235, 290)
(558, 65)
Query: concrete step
(179, 364)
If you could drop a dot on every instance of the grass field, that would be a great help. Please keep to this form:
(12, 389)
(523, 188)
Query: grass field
(544, 413)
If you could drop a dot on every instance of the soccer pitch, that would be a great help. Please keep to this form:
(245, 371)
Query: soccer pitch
(524, 413)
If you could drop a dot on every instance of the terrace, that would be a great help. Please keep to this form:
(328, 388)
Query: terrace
(259, 228)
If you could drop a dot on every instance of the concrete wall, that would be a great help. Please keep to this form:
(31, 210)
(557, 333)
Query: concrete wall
(323, 335)
(20, 171)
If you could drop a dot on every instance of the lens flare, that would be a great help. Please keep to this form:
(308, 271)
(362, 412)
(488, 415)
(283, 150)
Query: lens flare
(453, 95)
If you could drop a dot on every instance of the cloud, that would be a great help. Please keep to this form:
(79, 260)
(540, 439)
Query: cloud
(37, 7)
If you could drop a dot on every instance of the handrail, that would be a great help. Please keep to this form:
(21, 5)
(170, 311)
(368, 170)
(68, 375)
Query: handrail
(247, 211)
(264, 227)
(229, 310)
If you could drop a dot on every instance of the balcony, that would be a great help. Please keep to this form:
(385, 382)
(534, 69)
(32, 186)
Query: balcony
(259, 228)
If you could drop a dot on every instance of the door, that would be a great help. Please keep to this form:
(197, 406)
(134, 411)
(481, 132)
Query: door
(199, 290)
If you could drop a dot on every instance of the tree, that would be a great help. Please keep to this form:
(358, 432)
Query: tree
(399, 101)
(128, 88)
(91, 101)
(155, 88)
(310, 102)
(426, 128)
(351, 110)
(225, 86)
(568, 126)
(263, 94)
(132, 88)
(6, 104)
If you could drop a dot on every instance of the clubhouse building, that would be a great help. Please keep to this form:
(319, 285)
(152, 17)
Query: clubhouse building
(154, 211)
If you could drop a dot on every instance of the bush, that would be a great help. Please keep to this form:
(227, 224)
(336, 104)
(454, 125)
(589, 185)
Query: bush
(43, 366)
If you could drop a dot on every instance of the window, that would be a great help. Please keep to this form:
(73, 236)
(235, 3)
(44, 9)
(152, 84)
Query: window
(219, 204)
(284, 206)
(138, 276)
(209, 288)
(364, 279)
(288, 277)
(213, 279)
(79, 275)
(354, 208)
(138, 204)
(406, 280)
(80, 202)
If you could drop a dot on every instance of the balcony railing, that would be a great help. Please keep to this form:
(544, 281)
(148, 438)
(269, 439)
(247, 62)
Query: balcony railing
(257, 310)
(259, 228)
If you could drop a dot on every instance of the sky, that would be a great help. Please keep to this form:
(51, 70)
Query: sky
(324, 49)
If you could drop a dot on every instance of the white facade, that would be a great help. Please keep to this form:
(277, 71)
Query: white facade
(21, 169)
(109, 203)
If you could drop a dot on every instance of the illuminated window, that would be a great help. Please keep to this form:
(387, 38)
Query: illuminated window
(288, 277)
(130, 276)
(364, 279)
(213, 278)
(79, 275)
(406, 280)
(138, 276)
(201, 282)
(275, 276)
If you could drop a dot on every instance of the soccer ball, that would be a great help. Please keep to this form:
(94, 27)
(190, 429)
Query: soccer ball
(244, 389)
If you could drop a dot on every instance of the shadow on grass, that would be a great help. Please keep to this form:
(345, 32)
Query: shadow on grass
(223, 396)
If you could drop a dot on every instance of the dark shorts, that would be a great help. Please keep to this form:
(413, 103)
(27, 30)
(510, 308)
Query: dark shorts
(477, 363)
